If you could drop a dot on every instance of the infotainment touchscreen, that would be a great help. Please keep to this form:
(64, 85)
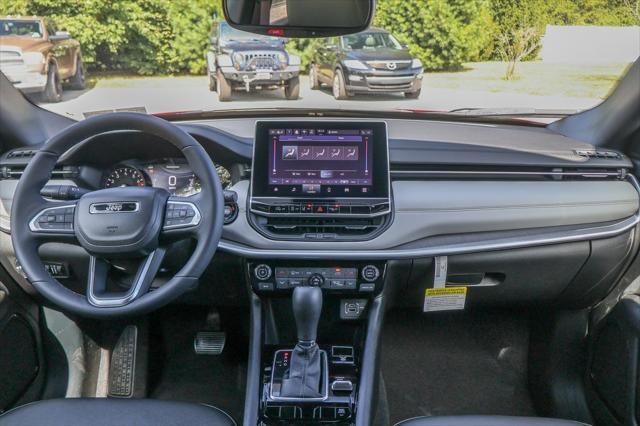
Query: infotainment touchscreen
(333, 160)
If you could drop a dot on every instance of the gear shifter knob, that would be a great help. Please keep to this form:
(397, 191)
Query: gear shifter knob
(307, 305)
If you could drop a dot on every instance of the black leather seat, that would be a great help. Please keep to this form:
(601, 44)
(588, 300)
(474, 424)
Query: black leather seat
(487, 421)
(114, 412)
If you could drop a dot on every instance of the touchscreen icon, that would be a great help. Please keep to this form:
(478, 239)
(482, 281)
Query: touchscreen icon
(304, 153)
(335, 153)
(319, 152)
(289, 152)
(351, 153)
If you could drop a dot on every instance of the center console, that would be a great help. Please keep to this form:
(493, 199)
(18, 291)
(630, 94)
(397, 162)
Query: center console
(317, 182)
(320, 181)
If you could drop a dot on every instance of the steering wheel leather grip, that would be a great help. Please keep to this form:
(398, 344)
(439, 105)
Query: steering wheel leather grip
(98, 221)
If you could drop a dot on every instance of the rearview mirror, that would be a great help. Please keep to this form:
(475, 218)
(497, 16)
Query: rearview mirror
(300, 18)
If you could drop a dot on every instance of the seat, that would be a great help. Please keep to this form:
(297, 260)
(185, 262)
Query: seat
(487, 421)
(112, 412)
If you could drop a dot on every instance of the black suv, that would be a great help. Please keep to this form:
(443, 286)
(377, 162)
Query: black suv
(368, 62)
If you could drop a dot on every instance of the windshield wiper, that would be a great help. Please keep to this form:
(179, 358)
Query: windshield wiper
(515, 112)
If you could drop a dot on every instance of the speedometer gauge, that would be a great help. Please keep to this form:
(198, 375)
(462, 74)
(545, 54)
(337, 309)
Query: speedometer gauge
(125, 176)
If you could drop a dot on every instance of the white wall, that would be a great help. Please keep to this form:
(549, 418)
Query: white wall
(590, 44)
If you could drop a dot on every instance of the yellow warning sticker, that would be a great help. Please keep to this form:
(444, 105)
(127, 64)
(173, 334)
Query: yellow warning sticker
(444, 299)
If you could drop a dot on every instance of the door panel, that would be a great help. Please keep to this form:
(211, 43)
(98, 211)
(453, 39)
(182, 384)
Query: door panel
(21, 355)
(612, 379)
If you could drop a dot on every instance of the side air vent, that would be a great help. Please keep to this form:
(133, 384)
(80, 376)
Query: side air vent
(26, 153)
(60, 172)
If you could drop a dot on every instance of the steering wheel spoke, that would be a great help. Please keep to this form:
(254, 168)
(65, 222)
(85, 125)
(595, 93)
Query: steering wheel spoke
(99, 296)
(53, 222)
(182, 217)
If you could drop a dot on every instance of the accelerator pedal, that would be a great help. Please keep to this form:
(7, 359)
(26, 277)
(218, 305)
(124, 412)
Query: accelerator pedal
(123, 364)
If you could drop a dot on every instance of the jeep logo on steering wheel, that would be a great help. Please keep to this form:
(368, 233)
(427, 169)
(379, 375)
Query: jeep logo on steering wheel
(114, 207)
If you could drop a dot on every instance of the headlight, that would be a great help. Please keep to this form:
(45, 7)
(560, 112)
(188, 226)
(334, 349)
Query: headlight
(416, 63)
(34, 61)
(355, 65)
(282, 58)
(238, 60)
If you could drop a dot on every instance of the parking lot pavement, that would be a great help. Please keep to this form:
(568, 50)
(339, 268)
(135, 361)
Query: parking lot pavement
(191, 93)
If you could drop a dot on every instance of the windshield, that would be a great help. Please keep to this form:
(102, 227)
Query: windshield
(524, 58)
(20, 28)
(371, 41)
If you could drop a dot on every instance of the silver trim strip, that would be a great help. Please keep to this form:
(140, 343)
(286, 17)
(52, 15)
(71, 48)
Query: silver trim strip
(551, 237)
(508, 173)
(195, 220)
(34, 226)
(324, 356)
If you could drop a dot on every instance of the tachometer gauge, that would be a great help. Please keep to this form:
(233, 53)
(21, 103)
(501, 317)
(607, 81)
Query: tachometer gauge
(125, 176)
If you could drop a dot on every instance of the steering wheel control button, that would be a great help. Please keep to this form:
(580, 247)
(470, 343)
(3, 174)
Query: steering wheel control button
(316, 280)
(54, 219)
(181, 215)
(265, 286)
(262, 272)
(282, 283)
(367, 288)
(370, 273)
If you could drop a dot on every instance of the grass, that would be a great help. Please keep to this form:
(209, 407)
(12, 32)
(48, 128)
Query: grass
(593, 81)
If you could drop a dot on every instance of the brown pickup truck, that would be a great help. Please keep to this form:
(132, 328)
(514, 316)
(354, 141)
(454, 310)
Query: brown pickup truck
(37, 58)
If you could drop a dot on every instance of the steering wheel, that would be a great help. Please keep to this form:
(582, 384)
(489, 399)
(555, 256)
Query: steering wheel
(128, 222)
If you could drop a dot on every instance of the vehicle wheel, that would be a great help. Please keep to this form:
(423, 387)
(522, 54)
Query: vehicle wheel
(212, 82)
(77, 81)
(313, 78)
(53, 89)
(339, 87)
(413, 95)
(224, 88)
(292, 89)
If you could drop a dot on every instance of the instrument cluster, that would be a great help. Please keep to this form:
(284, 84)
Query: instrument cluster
(174, 175)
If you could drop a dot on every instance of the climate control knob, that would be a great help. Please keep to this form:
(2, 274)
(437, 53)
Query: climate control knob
(316, 280)
(262, 272)
(370, 273)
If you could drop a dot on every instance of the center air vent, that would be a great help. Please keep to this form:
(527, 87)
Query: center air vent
(321, 228)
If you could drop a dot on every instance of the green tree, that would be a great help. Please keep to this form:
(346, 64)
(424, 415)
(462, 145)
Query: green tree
(142, 36)
(443, 34)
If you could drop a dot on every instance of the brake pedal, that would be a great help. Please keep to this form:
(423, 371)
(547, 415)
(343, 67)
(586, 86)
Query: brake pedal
(209, 342)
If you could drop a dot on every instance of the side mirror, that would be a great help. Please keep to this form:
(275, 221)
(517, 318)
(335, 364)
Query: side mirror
(299, 18)
(213, 40)
(60, 35)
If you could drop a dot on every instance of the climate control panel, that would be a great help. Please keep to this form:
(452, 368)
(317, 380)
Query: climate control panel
(362, 277)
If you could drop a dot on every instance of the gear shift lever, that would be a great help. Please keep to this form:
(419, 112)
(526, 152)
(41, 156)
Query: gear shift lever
(307, 305)
(305, 371)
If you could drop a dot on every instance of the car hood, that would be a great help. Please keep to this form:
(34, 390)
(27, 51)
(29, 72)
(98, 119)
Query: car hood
(27, 44)
(252, 45)
(379, 55)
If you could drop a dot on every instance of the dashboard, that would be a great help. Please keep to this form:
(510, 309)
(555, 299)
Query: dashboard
(416, 189)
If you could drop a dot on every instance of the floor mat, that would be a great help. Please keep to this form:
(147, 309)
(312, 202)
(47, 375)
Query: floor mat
(177, 373)
(455, 363)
